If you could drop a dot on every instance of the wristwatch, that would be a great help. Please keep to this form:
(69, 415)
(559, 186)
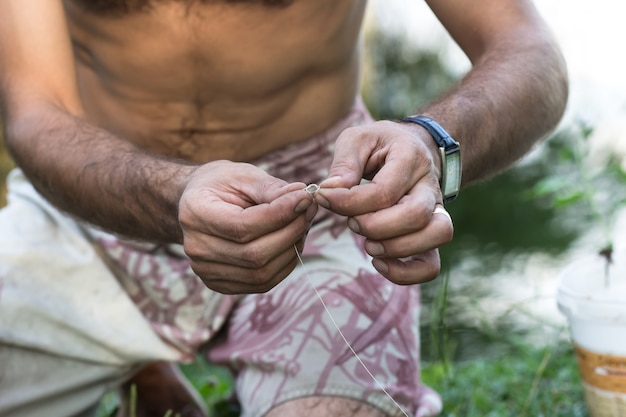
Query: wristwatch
(450, 152)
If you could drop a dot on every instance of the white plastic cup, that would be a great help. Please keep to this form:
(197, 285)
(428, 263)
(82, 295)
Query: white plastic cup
(597, 320)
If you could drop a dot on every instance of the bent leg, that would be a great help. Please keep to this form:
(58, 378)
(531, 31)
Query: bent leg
(326, 407)
(68, 331)
(289, 354)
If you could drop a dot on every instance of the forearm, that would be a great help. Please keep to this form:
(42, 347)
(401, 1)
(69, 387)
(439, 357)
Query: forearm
(514, 95)
(90, 173)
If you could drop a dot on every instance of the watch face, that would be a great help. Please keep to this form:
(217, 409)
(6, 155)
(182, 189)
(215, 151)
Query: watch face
(453, 173)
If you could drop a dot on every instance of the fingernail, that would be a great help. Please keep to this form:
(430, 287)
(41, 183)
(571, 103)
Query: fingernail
(354, 225)
(330, 182)
(321, 200)
(303, 205)
(374, 248)
(439, 209)
(380, 266)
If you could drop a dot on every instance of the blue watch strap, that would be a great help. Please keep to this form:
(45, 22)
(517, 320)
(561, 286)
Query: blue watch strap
(447, 146)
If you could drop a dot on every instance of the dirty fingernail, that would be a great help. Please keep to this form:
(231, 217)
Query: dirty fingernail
(303, 205)
(374, 248)
(380, 266)
(354, 225)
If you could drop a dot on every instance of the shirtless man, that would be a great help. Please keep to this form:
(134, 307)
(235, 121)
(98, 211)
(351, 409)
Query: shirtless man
(173, 140)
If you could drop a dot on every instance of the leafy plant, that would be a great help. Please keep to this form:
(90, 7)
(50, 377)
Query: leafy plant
(596, 189)
(213, 383)
(523, 381)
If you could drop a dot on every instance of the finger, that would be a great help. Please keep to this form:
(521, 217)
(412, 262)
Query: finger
(228, 279)
(405, 163)
(411, 214)
(266, 192)
(240, 184)
(418, 269)
(439, 209)
(256, 253)
(350, 156)
(244, 224)
(437, 232)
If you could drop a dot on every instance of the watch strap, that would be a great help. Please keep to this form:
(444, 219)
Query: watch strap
(447, 145)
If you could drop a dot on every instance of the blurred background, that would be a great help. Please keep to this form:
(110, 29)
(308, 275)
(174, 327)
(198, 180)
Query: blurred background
(515, 233)
(493, 340)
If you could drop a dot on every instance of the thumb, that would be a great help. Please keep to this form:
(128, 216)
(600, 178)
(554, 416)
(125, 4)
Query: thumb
(347, 167)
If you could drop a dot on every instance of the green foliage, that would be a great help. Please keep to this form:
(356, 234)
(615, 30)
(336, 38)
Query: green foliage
(576, 185)
(490, 368)
(108, 405)
(522, 381)
(401, 77)
(214, 384)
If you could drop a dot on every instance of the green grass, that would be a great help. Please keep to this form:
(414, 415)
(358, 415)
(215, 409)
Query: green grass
(522, 381)
(502, 374)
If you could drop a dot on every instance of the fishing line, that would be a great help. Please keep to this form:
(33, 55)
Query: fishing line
(312, 189)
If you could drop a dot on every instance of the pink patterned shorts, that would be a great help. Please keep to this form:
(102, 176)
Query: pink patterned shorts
(283, 345)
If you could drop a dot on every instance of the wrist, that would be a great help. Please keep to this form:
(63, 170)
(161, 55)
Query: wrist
(449, 155)
(421, 133)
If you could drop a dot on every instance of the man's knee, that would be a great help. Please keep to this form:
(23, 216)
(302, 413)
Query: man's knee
(325, 407)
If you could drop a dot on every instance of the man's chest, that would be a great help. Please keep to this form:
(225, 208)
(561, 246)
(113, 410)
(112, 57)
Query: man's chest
(235, 50)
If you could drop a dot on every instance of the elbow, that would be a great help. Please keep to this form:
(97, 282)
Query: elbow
(26, 112)
(17, 128)
(24, 127)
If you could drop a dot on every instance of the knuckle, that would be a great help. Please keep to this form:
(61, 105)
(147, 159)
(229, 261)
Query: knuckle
(255, 256)
(350, 133)
(430, 273)
(388, 124)
(347, 165)
(186, 216)
(194, 251)
(242, 232)
(387, 197)
(284, 217)
(421, 157)
(421, 216)
(260, 281)
(222, 289)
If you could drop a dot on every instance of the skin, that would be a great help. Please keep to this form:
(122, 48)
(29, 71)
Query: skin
(144, 122)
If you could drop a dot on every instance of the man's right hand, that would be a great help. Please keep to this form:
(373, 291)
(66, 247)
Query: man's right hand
(240, 226)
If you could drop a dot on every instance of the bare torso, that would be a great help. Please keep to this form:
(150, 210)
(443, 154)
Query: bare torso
(218, 80)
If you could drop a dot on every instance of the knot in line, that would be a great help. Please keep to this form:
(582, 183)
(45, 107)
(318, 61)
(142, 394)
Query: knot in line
(312, 189)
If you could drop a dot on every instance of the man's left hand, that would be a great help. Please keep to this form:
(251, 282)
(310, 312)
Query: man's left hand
(395, 209)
